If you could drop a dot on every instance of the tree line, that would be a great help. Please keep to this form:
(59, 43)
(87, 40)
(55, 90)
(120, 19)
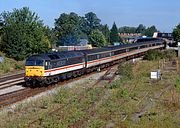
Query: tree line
(23, 33)
(143, 30)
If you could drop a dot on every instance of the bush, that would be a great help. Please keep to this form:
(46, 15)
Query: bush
(153, 55)
(126, 70)
(157, 54)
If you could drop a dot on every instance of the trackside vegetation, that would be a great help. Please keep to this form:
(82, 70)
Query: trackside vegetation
(10, 65)
(157, 54)
(109, 106)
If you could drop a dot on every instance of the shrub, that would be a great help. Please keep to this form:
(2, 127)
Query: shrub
(153, 55)
(124, 93)
(157, 54)
(126, 70)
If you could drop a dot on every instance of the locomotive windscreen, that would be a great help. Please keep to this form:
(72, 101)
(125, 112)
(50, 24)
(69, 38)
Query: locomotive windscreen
(34, 63)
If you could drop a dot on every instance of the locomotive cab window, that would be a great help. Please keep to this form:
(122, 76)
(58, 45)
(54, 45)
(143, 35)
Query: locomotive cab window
(34, 63)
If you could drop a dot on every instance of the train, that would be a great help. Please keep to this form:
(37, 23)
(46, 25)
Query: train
(49, 68)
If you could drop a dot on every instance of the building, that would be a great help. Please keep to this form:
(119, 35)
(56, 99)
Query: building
(129, 37)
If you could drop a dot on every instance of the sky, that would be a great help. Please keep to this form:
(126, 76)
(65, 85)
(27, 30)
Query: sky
(164, 14)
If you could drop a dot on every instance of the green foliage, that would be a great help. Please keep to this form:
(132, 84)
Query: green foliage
(96, 124)
(97, 38)
(150, 31)
(176, 33)
(67, 28)
(153, 55)
(116, 84)
(61, 96)
(10, 65)
(127, 29)
(169, 54)
(123, 93)
(106, 32)
(70, 28)
(23, 34)
(114, 34)
(92, 22)
(140, 29)
(157, 54)
(177, 85)
(126, 70)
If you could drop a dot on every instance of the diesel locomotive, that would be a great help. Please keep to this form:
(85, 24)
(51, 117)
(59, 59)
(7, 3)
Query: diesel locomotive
(48, 68)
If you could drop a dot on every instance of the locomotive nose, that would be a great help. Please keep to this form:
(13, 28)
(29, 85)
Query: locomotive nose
(34, 71)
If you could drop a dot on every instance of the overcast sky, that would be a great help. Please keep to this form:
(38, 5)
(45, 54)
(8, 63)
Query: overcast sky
(164, 14)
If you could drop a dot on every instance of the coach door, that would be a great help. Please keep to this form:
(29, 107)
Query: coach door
(48, 65)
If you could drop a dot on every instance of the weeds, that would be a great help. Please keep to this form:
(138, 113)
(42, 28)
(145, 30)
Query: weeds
(125, 70)
(96, 124)
(10, 65)
(177, 85)
(116, 84)
(61, 96)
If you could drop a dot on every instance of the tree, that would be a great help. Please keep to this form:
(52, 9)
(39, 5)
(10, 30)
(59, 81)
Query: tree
(106, 32)
(92, 22)
(176, 33)
(127, 29)
(97, 38)
(150, 31)
(114, 35)
(67, 28)
(23, 34)
(1, 32)
(140, 29)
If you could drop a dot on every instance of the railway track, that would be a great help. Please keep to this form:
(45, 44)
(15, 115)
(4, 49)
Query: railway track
(82, 96)
(10, 98)
(11, 77)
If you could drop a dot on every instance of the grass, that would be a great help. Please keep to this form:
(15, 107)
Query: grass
(10, 65)
(110, 106)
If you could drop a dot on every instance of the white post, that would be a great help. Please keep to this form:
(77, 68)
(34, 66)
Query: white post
(178, 49)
